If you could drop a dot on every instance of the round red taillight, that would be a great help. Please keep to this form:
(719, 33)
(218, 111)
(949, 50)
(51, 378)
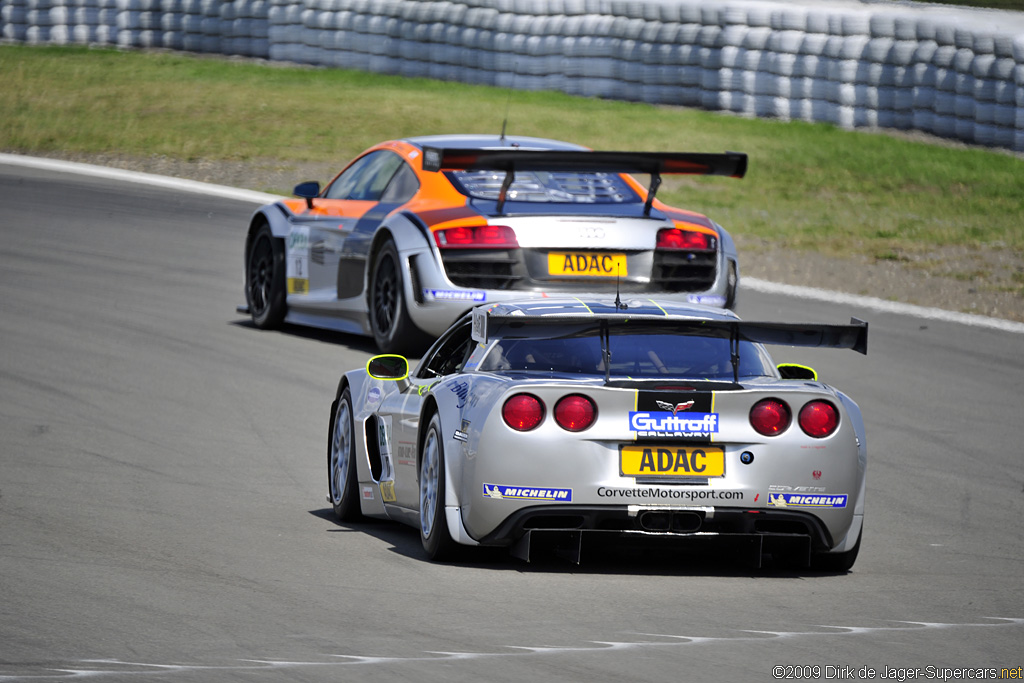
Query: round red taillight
(575, 412)
(770, 417)
(523, 412)
(819, 419)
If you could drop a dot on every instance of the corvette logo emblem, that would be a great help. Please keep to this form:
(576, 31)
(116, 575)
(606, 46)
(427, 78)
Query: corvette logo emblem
(676, 408)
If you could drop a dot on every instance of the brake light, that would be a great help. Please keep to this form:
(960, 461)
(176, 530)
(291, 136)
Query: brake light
(770, 417)
(575, 413)
(676, 238)
(819, 419)
(523, 412)
(477, 237)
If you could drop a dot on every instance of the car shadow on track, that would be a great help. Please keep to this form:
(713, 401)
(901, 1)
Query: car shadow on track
(352, 341)
(597, 558)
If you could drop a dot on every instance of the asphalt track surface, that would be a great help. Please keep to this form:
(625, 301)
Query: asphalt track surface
(162, 482)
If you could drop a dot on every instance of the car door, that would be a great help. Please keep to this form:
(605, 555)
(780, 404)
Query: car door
(323, 238)
(399, 413)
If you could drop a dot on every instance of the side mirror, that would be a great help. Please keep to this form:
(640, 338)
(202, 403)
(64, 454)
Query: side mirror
(388, 366)
(308, 191)
(796, 371)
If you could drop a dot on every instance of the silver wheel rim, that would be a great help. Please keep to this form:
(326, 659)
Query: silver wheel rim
(429, 472)
(341, 448)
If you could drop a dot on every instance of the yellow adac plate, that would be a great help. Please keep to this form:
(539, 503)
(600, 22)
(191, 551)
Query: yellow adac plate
(588, 264)
(666, 460)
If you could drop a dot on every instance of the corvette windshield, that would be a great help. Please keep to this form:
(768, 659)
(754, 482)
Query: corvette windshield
(571, 187)
(633, 356)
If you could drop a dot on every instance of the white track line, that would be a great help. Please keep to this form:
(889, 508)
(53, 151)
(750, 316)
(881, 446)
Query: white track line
(750, 283)
(881, 305)
(139, 177)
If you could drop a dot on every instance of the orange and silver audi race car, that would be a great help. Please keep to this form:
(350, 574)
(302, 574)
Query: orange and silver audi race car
(415, 232)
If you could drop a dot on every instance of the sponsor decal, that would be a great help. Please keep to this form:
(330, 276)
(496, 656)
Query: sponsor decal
(575, 263)
(665, 461)
(677, 414)
(796, 489)
(387, 491)
(802, 500)
(527, 493)
(664, 423)
(463, 433)
(649, 492)
(706, 300)
(460, 389)
(454, 295)
(297, 260)
(373, 395)
(367, 493)
(816, 474)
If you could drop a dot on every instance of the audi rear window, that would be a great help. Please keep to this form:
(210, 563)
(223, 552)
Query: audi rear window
(541, 187)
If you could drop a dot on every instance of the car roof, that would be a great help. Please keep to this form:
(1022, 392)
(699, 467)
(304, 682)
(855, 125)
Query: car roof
(475, 141)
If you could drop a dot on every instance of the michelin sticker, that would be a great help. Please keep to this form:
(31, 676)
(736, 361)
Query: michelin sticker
(527, 493)
(800, 500)
(454, 295)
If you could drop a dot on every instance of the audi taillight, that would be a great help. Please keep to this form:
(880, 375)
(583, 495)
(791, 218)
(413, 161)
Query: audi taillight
(818, 419)
(522, 412)
(770, 417)
(477, 237)
(676, 238)
(575, 413)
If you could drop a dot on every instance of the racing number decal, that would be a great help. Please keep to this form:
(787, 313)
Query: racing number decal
(297, 267)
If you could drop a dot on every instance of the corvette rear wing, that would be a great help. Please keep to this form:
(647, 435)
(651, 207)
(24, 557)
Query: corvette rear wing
(853, 336)
(511, 160)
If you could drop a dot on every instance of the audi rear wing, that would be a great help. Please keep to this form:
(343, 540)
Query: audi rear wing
(511, 160)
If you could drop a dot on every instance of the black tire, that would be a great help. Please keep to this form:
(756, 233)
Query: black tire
(393, 330)
(837, 563)
(437, 541)
(732, 285)
(342, 480)
(265, 287)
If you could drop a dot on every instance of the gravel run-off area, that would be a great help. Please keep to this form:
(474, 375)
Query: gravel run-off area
(987, 280)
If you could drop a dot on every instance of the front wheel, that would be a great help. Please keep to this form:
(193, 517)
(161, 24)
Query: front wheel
(265, 279)
(342, 481)
(437, 541)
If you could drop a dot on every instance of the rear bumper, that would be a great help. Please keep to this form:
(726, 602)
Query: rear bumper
(565, 529)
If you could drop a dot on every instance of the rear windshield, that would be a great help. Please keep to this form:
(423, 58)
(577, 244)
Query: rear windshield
(537, 186)
(633, 356)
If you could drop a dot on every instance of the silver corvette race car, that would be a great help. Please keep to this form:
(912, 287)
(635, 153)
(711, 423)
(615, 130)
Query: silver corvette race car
(415, 232)
(539, 425)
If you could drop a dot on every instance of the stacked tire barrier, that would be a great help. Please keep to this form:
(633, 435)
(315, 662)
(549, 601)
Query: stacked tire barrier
(953, 72)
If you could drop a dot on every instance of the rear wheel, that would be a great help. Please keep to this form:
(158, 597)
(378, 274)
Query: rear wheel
(393, 330)
(732, 284)
(837, 562)
(341, 460)
(265, 279)
(437, 541)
